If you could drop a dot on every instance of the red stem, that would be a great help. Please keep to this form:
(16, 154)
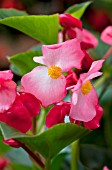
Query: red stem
(37, 160)
(107, 53)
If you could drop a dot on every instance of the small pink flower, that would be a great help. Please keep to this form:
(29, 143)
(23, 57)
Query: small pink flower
(57, 114)
(106, 35)
(84, 99)
(47, 83)
(7, 90)
(19, 115)
(11, 142)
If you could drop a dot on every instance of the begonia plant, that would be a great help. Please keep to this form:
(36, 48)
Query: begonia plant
(56, 101)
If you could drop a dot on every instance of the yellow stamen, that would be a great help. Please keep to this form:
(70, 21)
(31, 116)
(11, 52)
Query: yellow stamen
(54, 72)
(86, 87)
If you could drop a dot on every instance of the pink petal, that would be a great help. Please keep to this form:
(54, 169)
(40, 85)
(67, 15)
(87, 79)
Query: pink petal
(31, 103)
(106, 35)
(44, 88)
(17, 116)
(57, 114)
(89, 40)
(84, 109)
(75, 33)
(6, 75)
(96, 66)
(93, 71)
(7, 94)
(94, 123)
(39, 59)
(68, 21)
(65, 55)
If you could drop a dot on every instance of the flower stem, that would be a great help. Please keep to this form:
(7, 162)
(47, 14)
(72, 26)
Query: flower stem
(32, 155)
(107, 53)
(74, 155)
(34, 126)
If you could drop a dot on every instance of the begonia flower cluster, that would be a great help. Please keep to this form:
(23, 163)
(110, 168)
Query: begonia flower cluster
(47, 84)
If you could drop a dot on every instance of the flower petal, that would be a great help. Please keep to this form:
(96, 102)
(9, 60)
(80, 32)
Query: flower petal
(7, 94)
(94, 123)
(93, 71)
(65, 55)
(39, 59)
(17, 116)
(31, 103)
(6, 75)
(68, 21)
(89, 40)
(106, 35)
(57, 114)
(84, 109)
(43, 87)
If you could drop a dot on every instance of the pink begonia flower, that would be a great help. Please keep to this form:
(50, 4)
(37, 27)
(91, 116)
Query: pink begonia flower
(19, 115)
(84, 98)
(105, 168)
(3, 163)
(11, 142)
(47, 83)
(7, 90)
(57, 114)
(106, 35)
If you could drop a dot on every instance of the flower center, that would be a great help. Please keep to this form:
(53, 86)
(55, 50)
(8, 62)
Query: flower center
(86, 87)
(54, 72)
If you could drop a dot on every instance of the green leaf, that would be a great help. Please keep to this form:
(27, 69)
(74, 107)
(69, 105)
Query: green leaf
(16, 166)
(78, 10)
(3, 148)
(53, 140)
(43, 28)
(50, 142)
(4, 13)
(9, 132)
(23, 62)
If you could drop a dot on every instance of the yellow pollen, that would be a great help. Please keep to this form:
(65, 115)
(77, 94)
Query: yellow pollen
(54, 72)
(86, 87)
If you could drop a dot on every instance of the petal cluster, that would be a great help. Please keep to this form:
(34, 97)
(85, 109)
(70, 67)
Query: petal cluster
(19, 115)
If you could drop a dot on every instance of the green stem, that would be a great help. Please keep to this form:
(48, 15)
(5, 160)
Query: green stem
(34, 126)
(74, 155)
(48, 164)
